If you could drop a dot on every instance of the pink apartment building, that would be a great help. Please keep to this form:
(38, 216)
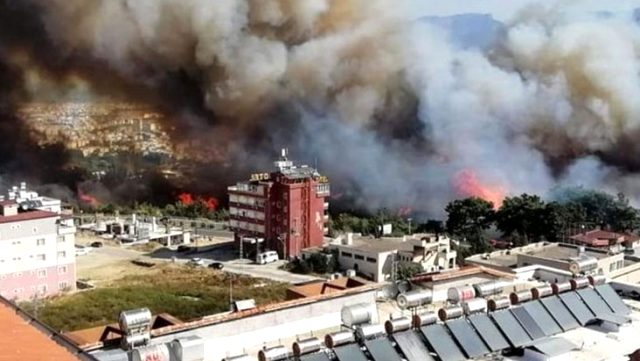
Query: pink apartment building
(37, 251)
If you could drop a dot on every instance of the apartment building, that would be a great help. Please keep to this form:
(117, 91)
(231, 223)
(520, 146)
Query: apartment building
(37, 252)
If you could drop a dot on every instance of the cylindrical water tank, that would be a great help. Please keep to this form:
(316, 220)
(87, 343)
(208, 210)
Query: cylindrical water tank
(415, 298)
(397, 325)
(155, 352)
(474, 305)
(583, 264)
(450, 312)
(356, 314)
(578, 283)
(459, 294)
(499, 303)
(558, 288)
(132, 341)
(366, 332)
(596, 280)
(188, 348)
(541, 291)
(273, 353)
(424, 319)
(488, 288)
(306, 346)
(518, 297)
(339, 338)
(134, 319)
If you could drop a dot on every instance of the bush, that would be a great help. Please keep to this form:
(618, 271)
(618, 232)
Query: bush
(407, 270)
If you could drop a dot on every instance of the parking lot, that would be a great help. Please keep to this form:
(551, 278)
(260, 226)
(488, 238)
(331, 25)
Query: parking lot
(107, 263)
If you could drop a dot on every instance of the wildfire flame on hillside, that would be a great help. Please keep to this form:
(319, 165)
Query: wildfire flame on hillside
(466, 184)
(188, 199)
(88, 199)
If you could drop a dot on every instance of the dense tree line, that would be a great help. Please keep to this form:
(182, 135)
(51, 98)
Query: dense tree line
(528, 218)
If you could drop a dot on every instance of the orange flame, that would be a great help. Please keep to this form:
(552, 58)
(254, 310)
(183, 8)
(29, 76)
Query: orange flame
(185, 198)
(188, 199)
(466, 184)
(88, 199)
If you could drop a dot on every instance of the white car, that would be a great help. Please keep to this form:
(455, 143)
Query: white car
(267, 257)
(198, 262)
(81, 250)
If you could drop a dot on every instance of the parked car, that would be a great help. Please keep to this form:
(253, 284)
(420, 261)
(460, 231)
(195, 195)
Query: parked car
(267, 257)
(97, 244)
(216, 265)
(183, 248)
(81, 250)
(196, 262)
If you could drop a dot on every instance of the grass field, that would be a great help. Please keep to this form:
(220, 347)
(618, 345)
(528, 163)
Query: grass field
(179, 290)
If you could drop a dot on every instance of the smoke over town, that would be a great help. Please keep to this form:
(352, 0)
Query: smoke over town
(392, 109)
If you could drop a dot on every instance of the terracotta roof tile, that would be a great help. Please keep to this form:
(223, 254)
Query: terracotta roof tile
(27, 216)
(22, 341)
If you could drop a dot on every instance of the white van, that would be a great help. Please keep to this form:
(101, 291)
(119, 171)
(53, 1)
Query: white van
(267, 257)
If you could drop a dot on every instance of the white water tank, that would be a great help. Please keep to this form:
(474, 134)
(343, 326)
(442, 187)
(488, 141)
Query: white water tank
(459, 294)
(188, 348)
(397, 325)
(154, 352)
(415, 298)
(474, 305)
(357, 314)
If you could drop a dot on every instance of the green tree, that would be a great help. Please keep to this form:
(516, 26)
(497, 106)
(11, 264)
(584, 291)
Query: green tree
(468, 219)
(407, 270)
(522, 218)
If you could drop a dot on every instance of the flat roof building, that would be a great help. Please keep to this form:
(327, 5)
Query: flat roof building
(374, 257)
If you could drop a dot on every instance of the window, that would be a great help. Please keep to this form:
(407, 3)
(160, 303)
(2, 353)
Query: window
(60, 239)
(612, 267)
(347, 254)
(42, 289)
(41, 257)
(372, 260)
(359, 257)
(42, 273)
(62, 254)
(63, 285)
(62, 270)
(40, 242)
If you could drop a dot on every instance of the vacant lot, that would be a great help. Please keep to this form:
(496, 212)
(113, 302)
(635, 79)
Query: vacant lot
(179, 290)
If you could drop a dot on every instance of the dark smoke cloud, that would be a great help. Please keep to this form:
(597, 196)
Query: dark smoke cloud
(393, 110)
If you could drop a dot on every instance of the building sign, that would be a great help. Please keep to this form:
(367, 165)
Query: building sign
(323, 179)
(260, 176)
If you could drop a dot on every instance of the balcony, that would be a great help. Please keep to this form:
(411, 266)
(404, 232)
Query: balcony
(62, 230)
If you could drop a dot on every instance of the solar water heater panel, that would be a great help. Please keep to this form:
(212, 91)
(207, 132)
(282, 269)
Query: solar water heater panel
(528, 322)
(350, 352)
(560, 313)
(381, 350)
(511, 329)
(315, 357)
(442, 343)
(593, 300)
(489, 332)
(471, 343)
(577, 308)
(412, 346)
(548, 325)
(612, 299)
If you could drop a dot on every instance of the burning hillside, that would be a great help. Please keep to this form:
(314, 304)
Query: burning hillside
(391, 107)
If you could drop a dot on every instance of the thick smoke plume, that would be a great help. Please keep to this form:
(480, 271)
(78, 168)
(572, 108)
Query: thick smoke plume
(391, 108)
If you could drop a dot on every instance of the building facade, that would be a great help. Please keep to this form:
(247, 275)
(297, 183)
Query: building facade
(286, 209)
(376, 258)
(37, 252)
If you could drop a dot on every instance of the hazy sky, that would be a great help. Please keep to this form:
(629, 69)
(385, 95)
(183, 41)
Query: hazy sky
(504, 9)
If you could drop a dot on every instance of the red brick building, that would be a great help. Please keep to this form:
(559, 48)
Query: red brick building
(287, 208)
